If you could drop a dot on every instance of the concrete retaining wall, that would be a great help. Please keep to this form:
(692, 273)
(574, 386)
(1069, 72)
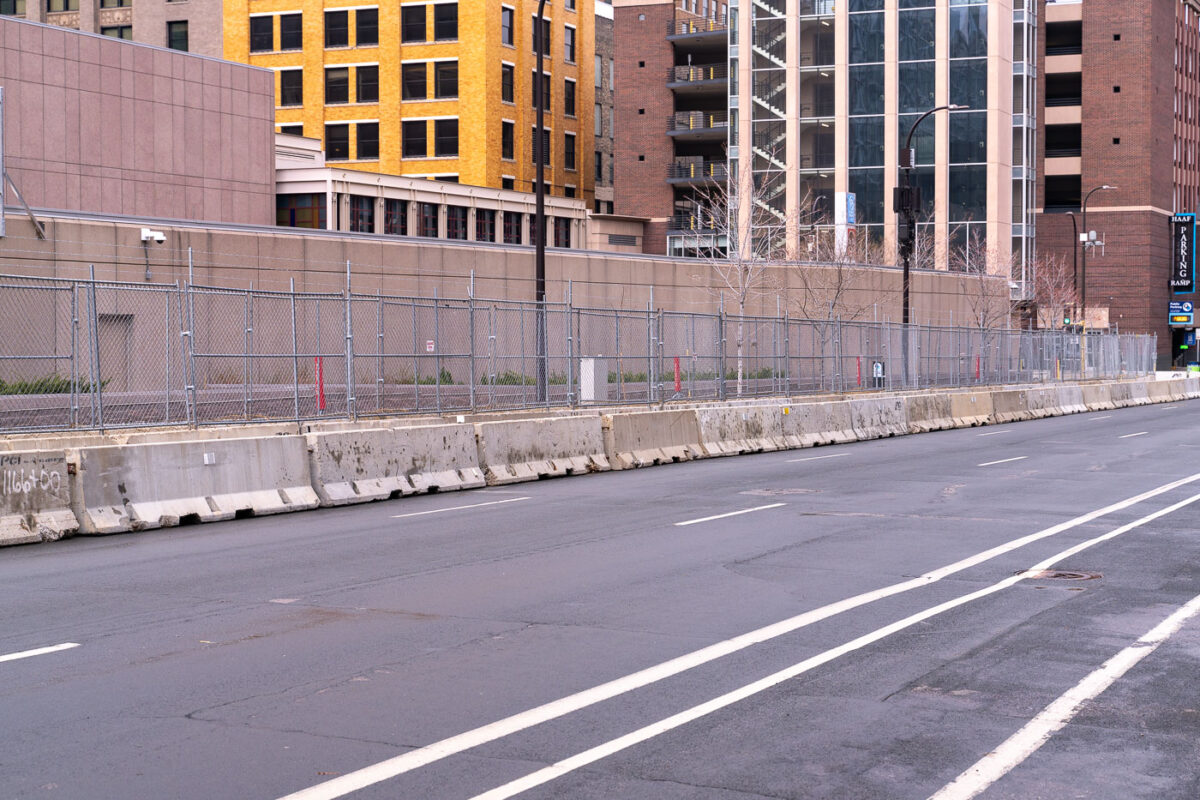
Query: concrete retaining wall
(374, 464)
(641, 439)
(525, 450)
(35, 497)
(152, 485)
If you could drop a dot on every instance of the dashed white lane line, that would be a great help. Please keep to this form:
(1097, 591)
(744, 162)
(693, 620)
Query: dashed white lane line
(41, 651)
(993, 433)
(460, 508)
(1022, 744)
(1094, 419)
(815, 458)
(458, 743)
(1131, 435)
(729, 514)
(561, 768)
(1002, 461)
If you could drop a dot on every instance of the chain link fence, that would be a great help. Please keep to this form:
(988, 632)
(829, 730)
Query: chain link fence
(98, 355)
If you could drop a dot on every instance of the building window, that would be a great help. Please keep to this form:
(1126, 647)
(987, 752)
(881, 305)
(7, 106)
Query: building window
(337, 85)
(598, 120)
(366, 84)
(533, 81)
(300, 210)
(569, 44)
(362, 214)
(506, 25)
(569, 150)
(570, 4)
(506, 83)
(507, 140)
(262, 34)
(569, 97)
(337, 28)
(562, 232)
(177, 35)
(368, 140)
(291, 31)
(447, 178)
(12, 8)
(412, 23)
(568, 191)
(445, 22)
(116, 3)
(415, 139)
(545, 26)
(291, 87)
(428, 220)
(512, 227)
(366, 27)
(545, 145)
(445, 80)
(599, 166)
(599, 71)
(117, 31)
(337, 142)
(412, 78)
(292, 130)
(63, 5)
(507, 183)
(445, 138)
(456, 222)
(395, 217)
(485, 225)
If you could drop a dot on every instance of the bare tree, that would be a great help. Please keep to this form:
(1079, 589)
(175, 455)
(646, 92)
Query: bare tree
(1054, 290)
(985, 282)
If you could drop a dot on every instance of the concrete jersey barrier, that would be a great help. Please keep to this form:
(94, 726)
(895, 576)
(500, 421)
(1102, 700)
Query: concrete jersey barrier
(645, 438)
(153, 485)
(525, 450)
(358, 466)
(731, 430)
(1010, 406)
(928, 412)
(35, 497)
(969, 409)
(1098, 397)
(878, 418)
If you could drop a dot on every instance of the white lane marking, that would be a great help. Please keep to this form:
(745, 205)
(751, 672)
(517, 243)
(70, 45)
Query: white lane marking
(459, 508)
(1166, 408)
(41, 651)
(1094, 419)
(993, 433)
(729, 514)
(414, 759)
(1131, 435)
(560, 768)
(814, 458)
(1002, 461)
(1022, 744)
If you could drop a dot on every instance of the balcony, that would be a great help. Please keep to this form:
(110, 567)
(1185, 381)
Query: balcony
(697, 172)
(694, 223)
(699, 78)
(698, 125)
(707, 32)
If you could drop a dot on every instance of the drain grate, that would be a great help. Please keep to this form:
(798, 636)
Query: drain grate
(1062, 575)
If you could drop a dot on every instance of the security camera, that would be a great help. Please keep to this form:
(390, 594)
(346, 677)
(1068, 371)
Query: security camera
(153, 236)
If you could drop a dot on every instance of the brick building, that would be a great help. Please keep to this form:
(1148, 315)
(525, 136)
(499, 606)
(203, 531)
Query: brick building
(1121, 93)
(195, 27)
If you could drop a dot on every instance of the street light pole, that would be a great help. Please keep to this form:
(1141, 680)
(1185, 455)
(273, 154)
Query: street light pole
(1085, 241)
(904, 203)
(539, 145)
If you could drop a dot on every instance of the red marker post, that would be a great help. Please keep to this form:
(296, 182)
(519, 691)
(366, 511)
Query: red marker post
(318, 361)
(678, 382)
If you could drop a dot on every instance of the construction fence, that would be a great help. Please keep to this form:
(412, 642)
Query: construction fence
(87, 354)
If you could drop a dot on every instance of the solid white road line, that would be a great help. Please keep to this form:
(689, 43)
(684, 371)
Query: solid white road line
(460, 508)
(1002, 461)
(41, 651)
(993, 433)
(1131, 435)
(814, 458)
(1093, 419)
(730, 514)
(560, 768)
(1055, 716)
(406, 762)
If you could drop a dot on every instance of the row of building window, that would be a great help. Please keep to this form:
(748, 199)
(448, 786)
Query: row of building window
(414, 27)
(308, 211)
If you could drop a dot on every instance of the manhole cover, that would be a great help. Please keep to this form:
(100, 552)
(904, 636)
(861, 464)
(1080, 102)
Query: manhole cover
(778, 492)
(1062, 575)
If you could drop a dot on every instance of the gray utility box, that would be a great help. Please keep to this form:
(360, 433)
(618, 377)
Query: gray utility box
(593, 380)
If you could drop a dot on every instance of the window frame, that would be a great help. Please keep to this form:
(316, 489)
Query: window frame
(372, 85)
(373, 39)
(297, 33)
(258, 48)
(337, 98)
(283, 91)
(331, 154)
(441, 133)
(437, 35)
(408, 26)
(407, 127)
(331, 31)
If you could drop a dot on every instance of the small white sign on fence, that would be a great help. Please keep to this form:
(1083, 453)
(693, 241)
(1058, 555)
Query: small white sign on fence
(429, 345)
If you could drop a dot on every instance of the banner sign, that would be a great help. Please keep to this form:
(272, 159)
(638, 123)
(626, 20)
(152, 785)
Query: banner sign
(1183, 253)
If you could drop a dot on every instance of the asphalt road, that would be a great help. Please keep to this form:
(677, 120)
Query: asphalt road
(866, 628)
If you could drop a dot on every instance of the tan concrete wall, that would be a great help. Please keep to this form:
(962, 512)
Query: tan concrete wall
(113, 127)
(269, 257)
